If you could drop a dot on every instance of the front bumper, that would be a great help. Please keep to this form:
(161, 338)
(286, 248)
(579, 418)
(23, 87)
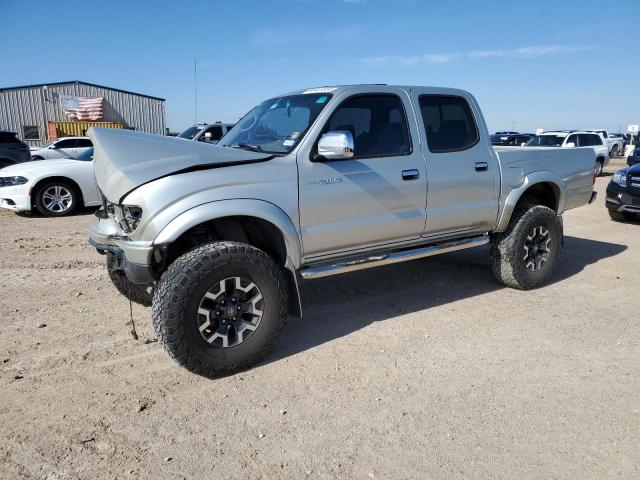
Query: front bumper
(134, 257)
(16, 198)
(619, 199)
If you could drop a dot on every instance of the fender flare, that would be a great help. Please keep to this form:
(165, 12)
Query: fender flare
(235, 208)
(244, 208)
(515, 194)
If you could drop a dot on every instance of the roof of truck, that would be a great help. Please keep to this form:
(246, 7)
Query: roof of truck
(334, 89)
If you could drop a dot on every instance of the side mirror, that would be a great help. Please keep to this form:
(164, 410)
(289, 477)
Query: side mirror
(336, 146)
(570, 145)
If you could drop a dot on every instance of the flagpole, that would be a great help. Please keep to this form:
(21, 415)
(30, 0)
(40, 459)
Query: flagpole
(195, 92)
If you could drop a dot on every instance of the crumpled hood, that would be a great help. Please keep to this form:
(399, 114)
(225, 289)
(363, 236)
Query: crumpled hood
(123, 159)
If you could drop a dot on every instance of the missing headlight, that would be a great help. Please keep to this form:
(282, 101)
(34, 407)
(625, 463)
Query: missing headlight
(131, 217)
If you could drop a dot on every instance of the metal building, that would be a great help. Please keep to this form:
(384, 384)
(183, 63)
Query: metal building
(36, 114)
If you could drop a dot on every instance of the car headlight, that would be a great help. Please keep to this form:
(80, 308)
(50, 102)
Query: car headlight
(620, 178)
(131, 217)
(126, 216)
(12, 181)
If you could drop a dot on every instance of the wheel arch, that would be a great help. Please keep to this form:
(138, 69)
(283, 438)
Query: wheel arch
(543, 187)
(255, 222)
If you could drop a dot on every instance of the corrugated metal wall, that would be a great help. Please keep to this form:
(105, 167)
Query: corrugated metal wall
(37, 106)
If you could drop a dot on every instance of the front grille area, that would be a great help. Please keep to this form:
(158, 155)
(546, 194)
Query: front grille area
(634, 183)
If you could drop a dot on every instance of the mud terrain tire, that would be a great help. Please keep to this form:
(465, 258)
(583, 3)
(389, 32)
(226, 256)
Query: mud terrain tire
(526, 254)
(193, 279)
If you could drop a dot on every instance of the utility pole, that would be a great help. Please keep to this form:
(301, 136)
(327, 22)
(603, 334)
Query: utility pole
(195, 92)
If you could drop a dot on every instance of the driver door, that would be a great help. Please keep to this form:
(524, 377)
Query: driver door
(376, 197)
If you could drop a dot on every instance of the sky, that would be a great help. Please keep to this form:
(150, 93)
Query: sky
(531, 64)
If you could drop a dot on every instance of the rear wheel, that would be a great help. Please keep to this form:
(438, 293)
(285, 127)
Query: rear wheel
(57, 199)
(621, 216)
(220, 308)
(525, 256)
(614, 151)
(599, 167)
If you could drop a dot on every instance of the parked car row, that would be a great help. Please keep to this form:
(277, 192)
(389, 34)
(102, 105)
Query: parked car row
(565, 138)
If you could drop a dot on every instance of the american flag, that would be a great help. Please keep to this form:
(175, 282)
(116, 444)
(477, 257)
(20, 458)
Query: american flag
(82, 108)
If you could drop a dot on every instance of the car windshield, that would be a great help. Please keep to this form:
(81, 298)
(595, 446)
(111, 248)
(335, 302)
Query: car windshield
(86, 156)
(189, 133)
(496, 139)
(277, 125)
(546, 141)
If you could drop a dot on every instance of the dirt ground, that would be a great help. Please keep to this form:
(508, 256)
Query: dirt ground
(428, 369)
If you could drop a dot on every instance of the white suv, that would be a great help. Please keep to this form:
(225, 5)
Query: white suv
(66, 147)
(615, 142)
(571, 139)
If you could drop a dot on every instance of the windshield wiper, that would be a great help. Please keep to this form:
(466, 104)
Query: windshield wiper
(246, 146)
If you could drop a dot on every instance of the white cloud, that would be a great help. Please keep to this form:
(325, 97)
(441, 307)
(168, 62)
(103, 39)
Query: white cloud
(532, 51)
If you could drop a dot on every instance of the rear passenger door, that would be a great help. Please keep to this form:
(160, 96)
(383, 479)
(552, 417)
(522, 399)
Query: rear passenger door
(462, 175)
(66, 148)
(84, 144)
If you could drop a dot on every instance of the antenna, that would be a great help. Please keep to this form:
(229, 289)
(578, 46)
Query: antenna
(195, 92)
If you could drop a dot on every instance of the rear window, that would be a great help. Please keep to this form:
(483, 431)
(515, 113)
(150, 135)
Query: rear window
(546, 141)
(448, 122)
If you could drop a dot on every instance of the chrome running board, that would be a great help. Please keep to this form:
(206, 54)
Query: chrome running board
(393, 257)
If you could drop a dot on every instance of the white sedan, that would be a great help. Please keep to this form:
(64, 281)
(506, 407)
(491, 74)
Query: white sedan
(54, 187)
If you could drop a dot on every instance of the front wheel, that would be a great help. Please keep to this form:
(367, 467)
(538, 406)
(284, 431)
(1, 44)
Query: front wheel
(220, 308)
(525, 256)
(614, 151)
(57, 199)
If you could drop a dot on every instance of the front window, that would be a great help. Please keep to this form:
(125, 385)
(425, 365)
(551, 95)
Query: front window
(499, 139)
(546, 141)
(277, 125)
(189, 133)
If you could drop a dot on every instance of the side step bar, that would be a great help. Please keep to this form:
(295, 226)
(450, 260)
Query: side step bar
(393, 257)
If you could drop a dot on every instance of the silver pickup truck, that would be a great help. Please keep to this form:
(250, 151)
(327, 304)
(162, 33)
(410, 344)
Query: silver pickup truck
(311, 184)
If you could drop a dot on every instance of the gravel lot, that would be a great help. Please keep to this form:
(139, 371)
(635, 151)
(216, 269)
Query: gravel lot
(428, 369)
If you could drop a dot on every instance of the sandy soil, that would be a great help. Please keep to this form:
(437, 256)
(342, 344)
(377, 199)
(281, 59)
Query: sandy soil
(428, 369)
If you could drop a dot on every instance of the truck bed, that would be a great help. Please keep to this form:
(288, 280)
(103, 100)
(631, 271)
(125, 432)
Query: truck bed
(573, 169)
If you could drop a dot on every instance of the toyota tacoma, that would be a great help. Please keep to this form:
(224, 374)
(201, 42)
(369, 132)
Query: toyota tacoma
(315, 183)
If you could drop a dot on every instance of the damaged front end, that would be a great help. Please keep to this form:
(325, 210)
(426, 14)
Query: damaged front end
(109, 234)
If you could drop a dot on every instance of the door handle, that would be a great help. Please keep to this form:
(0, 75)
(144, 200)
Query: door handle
(481, 166)
(410, 174)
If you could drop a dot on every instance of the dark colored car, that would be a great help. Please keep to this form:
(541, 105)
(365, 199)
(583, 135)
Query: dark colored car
(510, 140)
(12, 150)
(634, 158)
(623, 194)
